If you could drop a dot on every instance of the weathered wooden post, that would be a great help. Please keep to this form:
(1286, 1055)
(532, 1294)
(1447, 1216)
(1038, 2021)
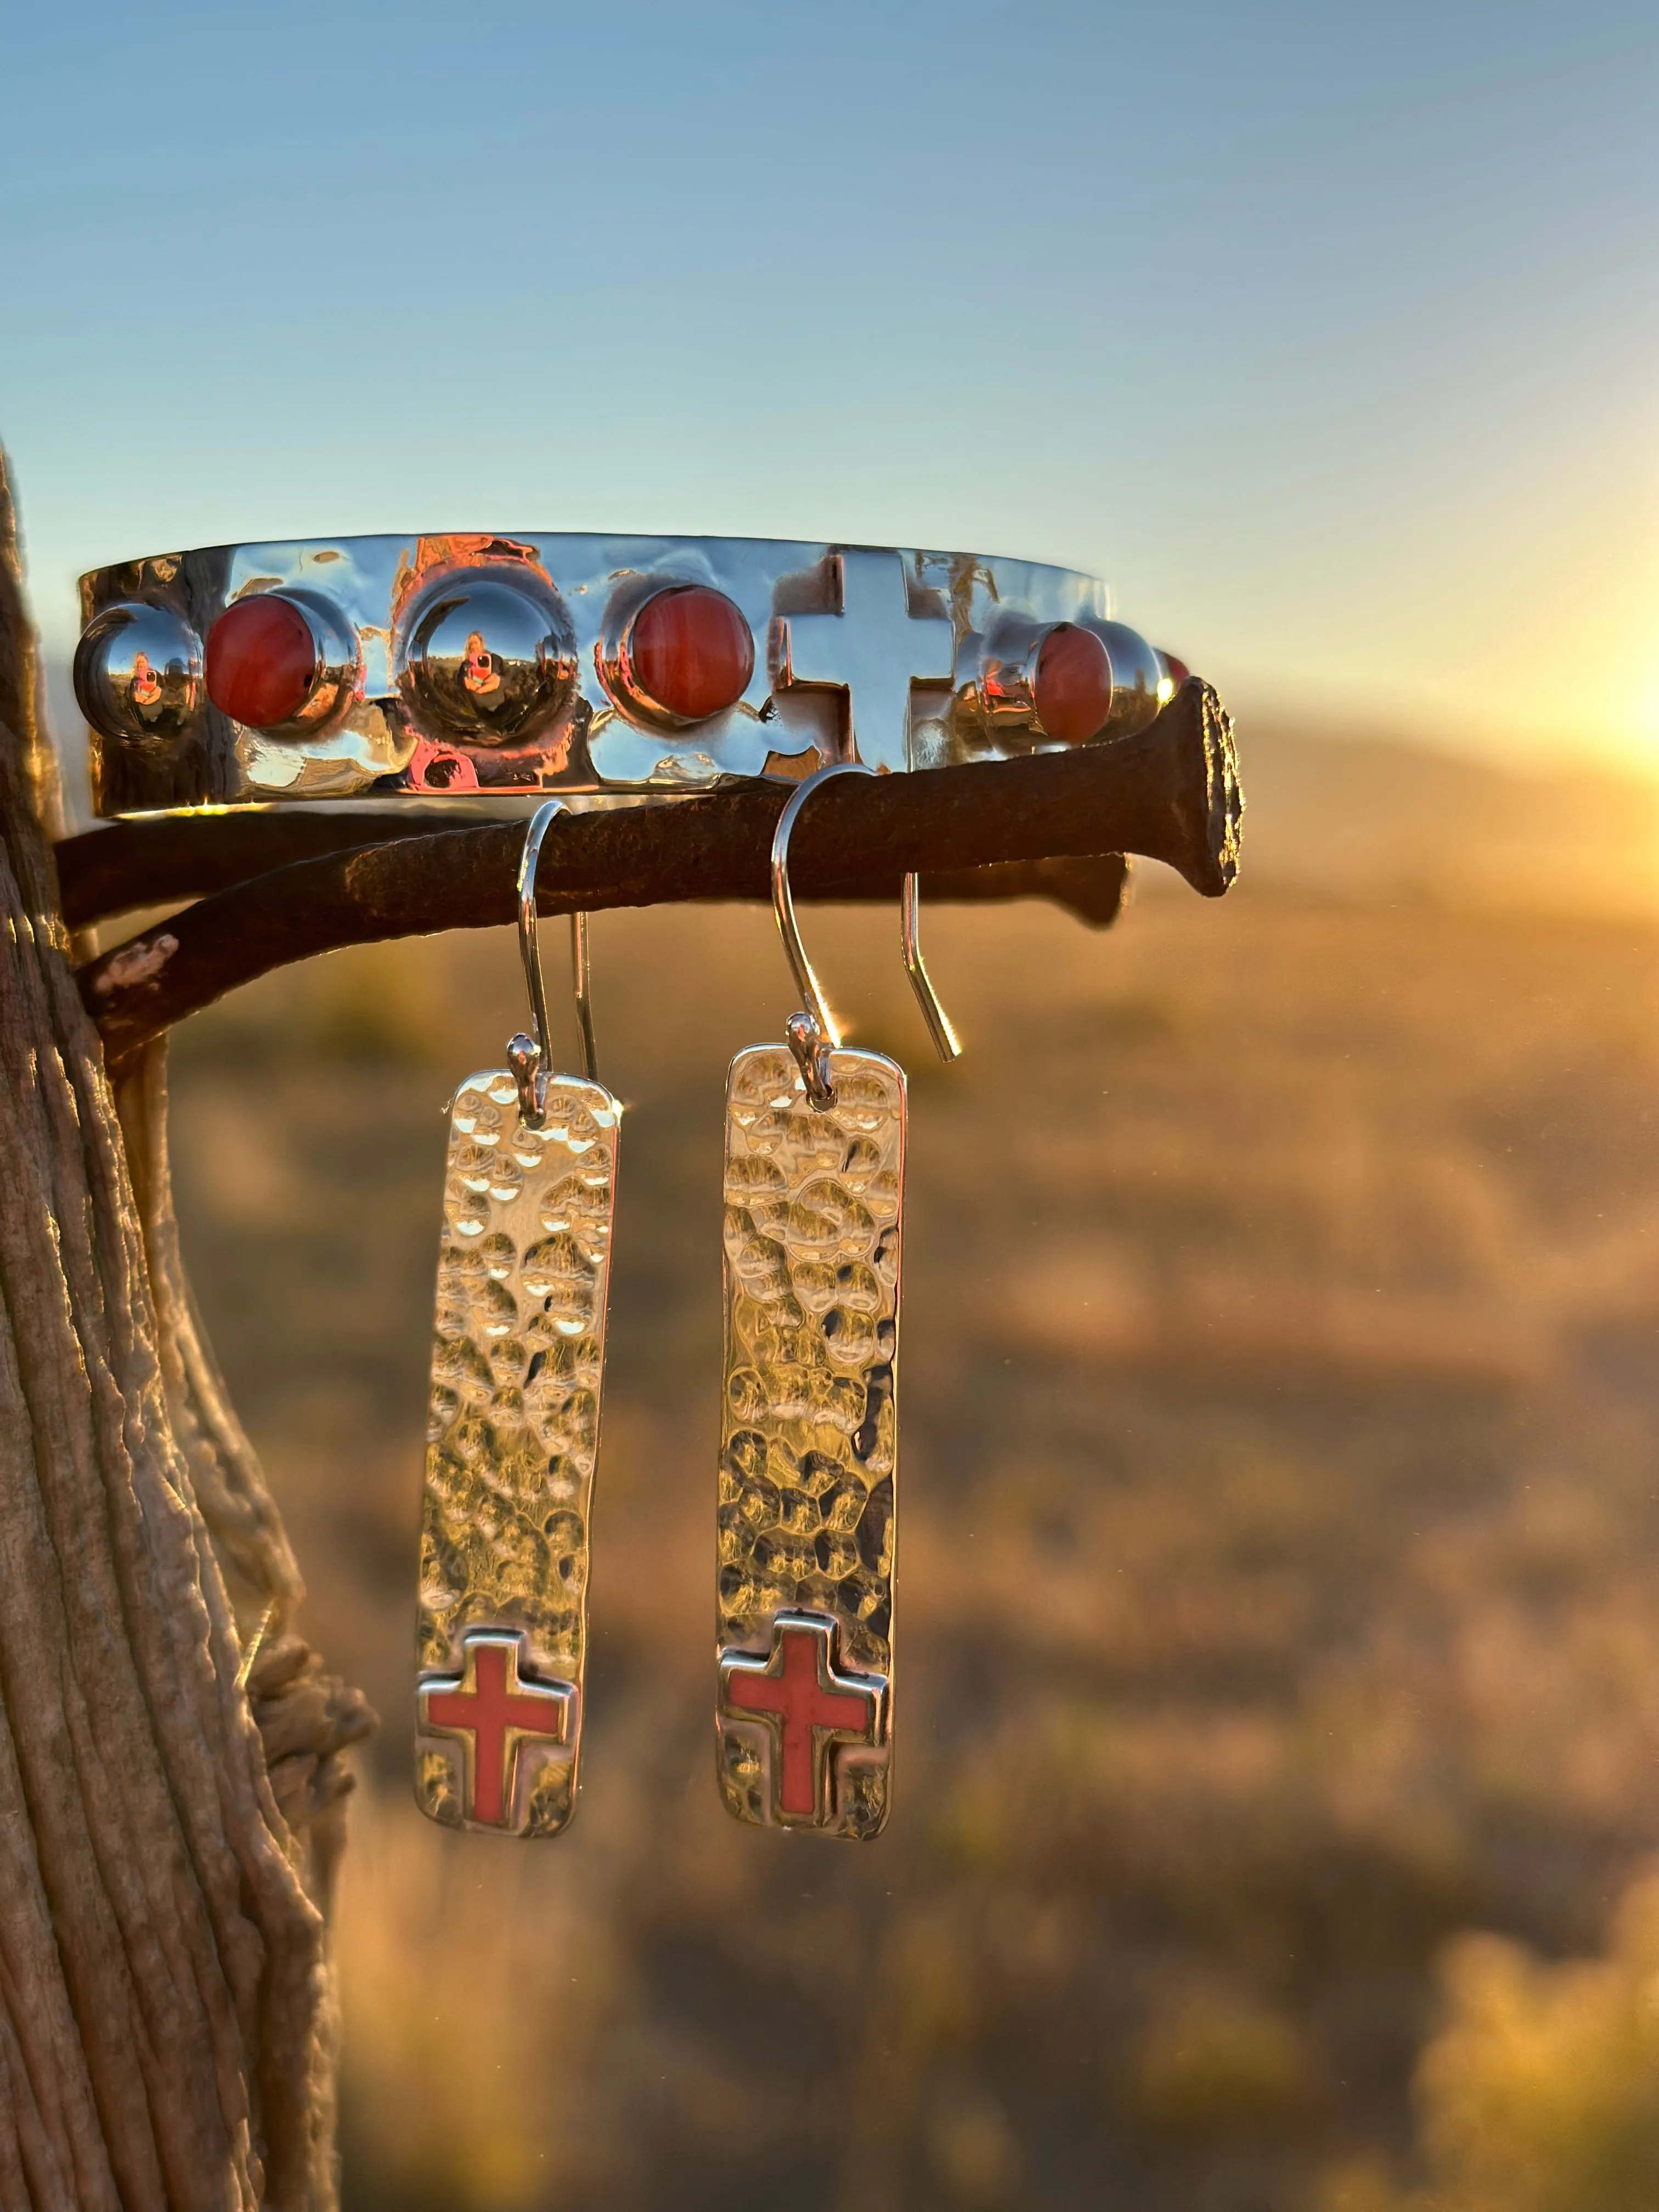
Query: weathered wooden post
(167, 1828)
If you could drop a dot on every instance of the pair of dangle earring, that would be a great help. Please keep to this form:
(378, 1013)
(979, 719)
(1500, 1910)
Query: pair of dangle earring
(513, 1427)
(814, 1186)
(809, 1433)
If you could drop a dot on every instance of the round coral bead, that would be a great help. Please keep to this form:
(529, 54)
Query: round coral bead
(261, 661)
(1074, 688)
(689, 653)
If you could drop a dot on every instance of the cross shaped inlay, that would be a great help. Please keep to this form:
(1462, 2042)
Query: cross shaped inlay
(494, 1708)
(812, 1706)
(874, 649)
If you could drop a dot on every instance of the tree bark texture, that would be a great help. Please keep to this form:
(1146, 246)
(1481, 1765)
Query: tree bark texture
(1171, 792)
(170, 1773)
(171, 858)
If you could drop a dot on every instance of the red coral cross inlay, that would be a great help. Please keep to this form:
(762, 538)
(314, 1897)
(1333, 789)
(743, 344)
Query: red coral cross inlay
(491, 1703)
(812, 1705)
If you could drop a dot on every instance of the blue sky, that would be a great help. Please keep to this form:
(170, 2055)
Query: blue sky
(1328, 335)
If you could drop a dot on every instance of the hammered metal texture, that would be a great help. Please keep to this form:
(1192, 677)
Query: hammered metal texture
(809, 1427)
(513, 1423)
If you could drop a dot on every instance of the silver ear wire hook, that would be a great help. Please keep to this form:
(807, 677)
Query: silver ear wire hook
(940, 1027)
(527, 1057)
(812, 1034)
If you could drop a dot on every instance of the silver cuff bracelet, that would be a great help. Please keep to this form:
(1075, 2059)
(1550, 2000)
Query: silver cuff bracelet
(466, 664)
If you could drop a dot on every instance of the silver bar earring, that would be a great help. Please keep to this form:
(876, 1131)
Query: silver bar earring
(814, 1216)
(513, 1423)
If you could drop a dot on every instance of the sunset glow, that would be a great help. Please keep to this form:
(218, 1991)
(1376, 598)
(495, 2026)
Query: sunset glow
(1328, 340)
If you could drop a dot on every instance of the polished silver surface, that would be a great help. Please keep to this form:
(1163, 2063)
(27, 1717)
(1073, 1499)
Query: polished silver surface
(501, 664)
(335, 679)
(997, 674)
(138, 674)
(813, 1033)
(1142, 681)
(484, 661)
(882, 652)
(940, 1027)
(529, 1056)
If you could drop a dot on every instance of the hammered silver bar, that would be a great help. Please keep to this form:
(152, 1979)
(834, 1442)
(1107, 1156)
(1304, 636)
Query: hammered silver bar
(512, 1437)
(460, 664)
(809, 1442)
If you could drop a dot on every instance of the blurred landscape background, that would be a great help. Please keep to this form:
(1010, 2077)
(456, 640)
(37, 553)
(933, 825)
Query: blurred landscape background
(1281, 1291)
(1282, 1275)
